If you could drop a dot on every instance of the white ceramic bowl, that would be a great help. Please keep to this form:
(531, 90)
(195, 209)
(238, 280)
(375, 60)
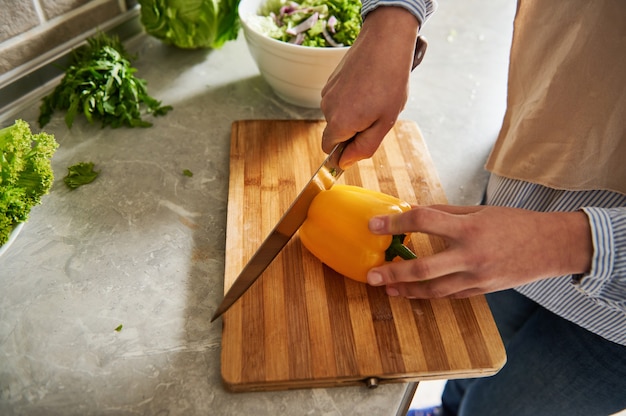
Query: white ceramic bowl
(296, 73)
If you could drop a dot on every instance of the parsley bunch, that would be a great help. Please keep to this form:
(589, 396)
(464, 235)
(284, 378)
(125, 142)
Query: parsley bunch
(100, 83)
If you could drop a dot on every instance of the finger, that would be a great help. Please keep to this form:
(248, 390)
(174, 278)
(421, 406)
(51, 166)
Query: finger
(334, 134)
(456, 286)
(419, 219)
(426, 268)
(458, 209)
(363, 146)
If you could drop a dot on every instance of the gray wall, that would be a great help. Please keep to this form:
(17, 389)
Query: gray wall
(29, 29)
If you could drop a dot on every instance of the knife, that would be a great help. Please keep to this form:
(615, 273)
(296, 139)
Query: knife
(323, 179)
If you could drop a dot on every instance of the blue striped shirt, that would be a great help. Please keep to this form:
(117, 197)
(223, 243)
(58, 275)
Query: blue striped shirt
(595, 301)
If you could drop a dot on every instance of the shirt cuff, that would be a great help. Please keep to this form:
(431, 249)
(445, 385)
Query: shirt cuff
(421, 9)
(606, 281)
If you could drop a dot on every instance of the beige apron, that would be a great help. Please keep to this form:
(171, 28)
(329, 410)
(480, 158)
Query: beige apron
(565, 124)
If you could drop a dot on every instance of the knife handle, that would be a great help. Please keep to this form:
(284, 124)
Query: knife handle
(420, 50)
(335, 156)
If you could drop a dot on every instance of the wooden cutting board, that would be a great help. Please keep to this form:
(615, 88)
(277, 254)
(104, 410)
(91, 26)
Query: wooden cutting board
(303, 325)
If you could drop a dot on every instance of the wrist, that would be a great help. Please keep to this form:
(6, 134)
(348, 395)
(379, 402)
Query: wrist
(394, 29)
(581, 245)
(394, 20)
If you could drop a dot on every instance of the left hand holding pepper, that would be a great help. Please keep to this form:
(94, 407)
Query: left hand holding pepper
(487, 249)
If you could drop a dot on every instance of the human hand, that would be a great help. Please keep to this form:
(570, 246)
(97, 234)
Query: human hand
(369, 88)
(487, 249)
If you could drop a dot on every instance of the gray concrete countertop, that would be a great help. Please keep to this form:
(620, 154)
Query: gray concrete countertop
(143, 246)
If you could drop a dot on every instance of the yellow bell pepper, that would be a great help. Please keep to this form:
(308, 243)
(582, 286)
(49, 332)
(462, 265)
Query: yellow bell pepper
(336, 230)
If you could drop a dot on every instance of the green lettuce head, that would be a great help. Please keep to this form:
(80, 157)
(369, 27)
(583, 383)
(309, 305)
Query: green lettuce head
(191, 24)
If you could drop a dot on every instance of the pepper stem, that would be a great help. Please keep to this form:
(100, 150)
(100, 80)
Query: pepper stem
(397, 248)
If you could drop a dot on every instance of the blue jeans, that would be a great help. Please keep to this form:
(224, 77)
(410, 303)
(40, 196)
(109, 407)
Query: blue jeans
(553, 368)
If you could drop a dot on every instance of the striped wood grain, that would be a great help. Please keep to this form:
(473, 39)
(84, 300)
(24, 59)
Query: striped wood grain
(303, 325)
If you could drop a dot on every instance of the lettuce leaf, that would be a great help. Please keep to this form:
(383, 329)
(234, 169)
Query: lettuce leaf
(191, 24)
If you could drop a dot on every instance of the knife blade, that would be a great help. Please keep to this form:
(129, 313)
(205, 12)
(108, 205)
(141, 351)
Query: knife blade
(324, 178)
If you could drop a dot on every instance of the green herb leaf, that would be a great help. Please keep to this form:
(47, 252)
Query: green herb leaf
(80, 174)
(187, 172)
(100, 84)
(119, 328)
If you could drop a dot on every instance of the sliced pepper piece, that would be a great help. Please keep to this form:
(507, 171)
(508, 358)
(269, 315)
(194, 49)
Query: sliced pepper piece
(336, 230)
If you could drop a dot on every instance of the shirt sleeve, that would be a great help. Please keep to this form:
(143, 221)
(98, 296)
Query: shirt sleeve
(421, 9)
(606, 281)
